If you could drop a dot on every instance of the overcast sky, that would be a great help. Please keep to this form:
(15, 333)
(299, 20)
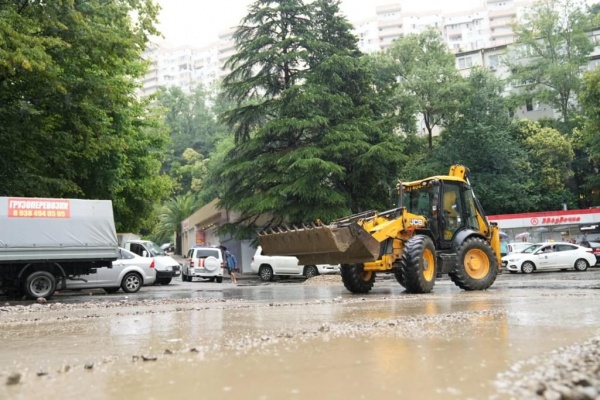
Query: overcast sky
(199, 22)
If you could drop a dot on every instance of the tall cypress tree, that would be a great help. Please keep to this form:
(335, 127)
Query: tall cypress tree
(311, 139)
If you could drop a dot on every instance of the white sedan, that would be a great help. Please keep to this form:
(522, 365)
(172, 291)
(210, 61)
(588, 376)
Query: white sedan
(548, 256)
(129, 272)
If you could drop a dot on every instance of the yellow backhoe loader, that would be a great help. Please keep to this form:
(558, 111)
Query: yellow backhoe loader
(438, 227)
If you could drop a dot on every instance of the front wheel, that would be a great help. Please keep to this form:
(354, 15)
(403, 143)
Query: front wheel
(527, 267)
(581, 265)
(419, 264)
(219, 279)
(477, 266)
(266, 273)
(356, 279)
(310, 271)
(132, 282)
(40, 284)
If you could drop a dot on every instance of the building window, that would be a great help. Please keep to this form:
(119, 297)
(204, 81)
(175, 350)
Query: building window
(529, 105)
(465, 62)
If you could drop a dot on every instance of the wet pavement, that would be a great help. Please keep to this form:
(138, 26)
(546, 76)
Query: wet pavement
(291, 340)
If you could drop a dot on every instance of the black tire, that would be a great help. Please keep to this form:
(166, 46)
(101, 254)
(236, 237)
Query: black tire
(527, 267)
(266, 273)
(164, 281)
(356, 279)
(477, 266)
(183, 277)
(310, 271)
(189, 278)
(132, 282)
(400, 277)
(39, 284)
(219, 279)
(419, 265)
(581, 265)
(111, 290)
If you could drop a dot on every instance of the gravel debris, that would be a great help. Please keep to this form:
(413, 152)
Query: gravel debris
(571, 372)
(324, 280)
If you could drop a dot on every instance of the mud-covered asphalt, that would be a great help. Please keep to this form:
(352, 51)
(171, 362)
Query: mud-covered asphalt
(533, 336)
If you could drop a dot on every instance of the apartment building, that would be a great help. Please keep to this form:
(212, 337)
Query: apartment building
(483, 27)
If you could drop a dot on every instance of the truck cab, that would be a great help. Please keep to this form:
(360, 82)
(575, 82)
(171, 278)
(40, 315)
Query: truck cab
(166, 266)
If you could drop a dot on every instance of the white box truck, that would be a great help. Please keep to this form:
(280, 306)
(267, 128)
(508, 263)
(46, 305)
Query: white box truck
(44, 241)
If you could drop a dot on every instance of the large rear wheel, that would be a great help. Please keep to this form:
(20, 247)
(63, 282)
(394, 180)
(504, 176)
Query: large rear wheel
(419, 264)
(40, 284)
(356, 279)
(477, 266)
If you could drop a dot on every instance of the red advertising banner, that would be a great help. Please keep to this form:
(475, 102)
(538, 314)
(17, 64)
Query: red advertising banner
(38, 208)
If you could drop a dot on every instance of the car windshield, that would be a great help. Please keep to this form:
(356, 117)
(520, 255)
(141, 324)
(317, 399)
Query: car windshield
(155, 250)
(531, 248)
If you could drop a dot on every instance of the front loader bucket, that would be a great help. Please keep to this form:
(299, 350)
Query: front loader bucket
(333, 244)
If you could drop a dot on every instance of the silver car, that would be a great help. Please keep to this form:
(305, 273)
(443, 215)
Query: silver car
(129, 272)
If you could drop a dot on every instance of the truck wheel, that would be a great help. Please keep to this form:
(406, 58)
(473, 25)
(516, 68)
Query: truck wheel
(40, 284)
(183, 277)
(356, 279)
(310, 271)
(266, 273)
(219, 279)
(477, 266)
(131, 283)
(419, 264)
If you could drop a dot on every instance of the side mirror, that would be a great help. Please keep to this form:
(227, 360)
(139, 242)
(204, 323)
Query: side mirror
(144, 253)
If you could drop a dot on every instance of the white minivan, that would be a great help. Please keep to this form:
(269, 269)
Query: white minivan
(269, 266)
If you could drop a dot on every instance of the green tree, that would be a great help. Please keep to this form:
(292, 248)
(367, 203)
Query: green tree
(550, 157)
(428, 78)
(482, 140)
(552, 45)
(589, 138)
(70, 123)
(311, 140)
(170, 217)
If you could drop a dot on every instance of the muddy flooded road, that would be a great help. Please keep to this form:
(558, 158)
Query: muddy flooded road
(292, 340)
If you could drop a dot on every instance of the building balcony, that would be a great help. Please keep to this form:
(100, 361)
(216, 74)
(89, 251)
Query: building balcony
(507, 13)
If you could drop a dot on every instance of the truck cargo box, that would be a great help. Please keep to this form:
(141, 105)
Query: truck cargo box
(56, 229)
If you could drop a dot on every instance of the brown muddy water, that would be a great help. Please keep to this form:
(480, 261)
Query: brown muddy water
(448, 344)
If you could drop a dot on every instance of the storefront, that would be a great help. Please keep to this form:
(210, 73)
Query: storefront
(565, 225)
(200, 229)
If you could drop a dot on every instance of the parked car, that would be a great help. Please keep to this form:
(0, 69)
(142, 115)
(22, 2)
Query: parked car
(547, 256)
(595, 246)
(203, 262)
(129, 272)
(269, 266)
(518, 247)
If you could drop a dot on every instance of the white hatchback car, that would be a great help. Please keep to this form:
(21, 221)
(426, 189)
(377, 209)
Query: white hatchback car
(548, 256)
(203, 262)
(129, 272)
(269, 266)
